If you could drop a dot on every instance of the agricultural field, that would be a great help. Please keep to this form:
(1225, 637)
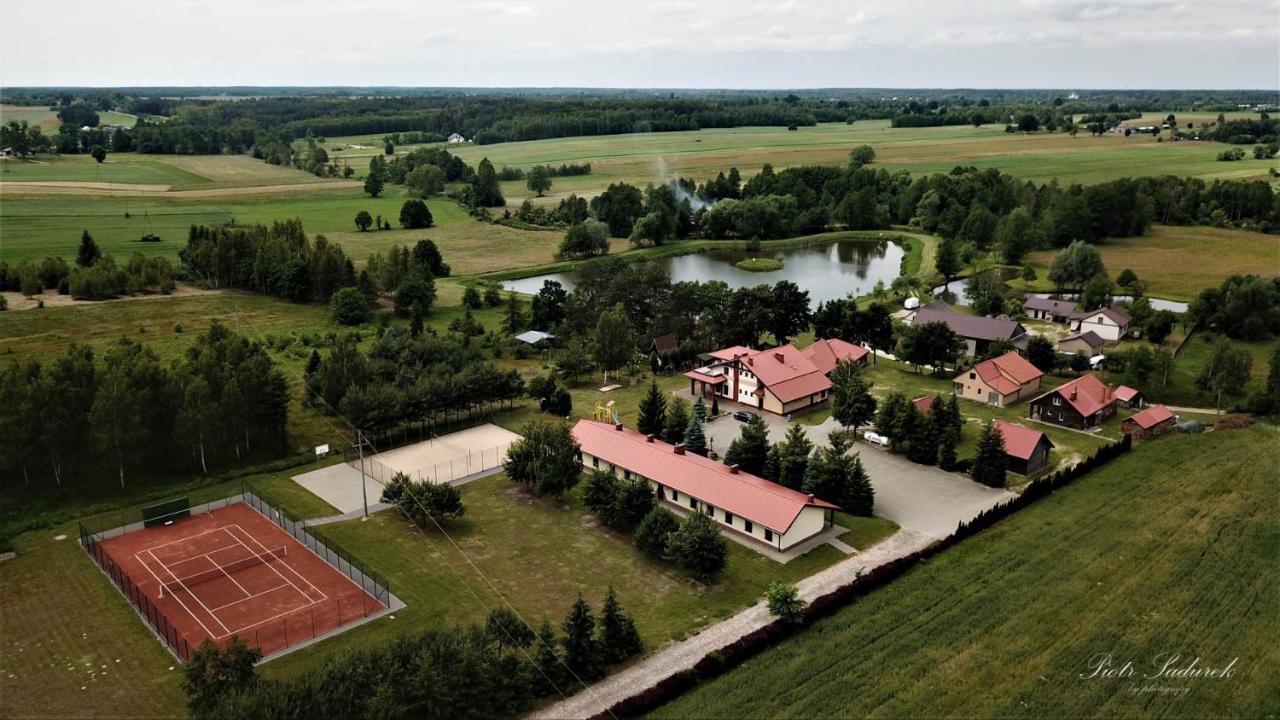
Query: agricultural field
(1169, 549)
(1178, 262)
(645, 158)
(37, 116)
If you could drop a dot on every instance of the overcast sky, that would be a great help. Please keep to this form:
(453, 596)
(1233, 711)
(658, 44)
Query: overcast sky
(611, 43)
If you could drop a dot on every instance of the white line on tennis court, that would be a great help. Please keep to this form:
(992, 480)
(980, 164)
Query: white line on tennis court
(243, 599)
(295, 573)
(160, 584)
(261, 622)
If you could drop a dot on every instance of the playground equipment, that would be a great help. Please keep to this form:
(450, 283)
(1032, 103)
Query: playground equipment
(606, 412)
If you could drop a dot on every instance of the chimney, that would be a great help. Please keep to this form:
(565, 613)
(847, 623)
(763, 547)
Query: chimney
(811, 497)
(1111, 391)
(617, 426)
(751, 361)
(680, 449)
(733, 469)
(1073, 392)
(649, 437)
(778, 356)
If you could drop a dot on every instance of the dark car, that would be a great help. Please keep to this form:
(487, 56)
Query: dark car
(744, 416)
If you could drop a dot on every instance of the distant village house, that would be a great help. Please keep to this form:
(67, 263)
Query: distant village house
(1026, 451)
(1081, 404)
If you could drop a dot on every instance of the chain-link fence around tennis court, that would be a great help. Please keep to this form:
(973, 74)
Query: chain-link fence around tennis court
(448, 471)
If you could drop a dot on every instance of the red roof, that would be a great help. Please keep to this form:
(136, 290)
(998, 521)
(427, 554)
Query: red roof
(729, 353)
(786, 372)
(924, 404)
(1152, 416)
(824, 354)
(742, 494)
(709, 379)
(1086, 394)
(1020, 441)
(1126, 394)
(1007, 373)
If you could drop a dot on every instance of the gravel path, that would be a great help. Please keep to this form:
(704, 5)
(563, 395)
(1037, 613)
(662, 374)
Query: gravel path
(686, 653)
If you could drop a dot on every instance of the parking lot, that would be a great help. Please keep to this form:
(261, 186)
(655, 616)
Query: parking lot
(917, 497)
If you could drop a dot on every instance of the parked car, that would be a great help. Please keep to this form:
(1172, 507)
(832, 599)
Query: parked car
(875, 439)
(744, 416)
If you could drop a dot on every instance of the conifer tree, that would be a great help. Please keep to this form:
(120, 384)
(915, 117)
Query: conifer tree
(858, 498)
(548, 659)
(677, 421)
(751, 449)
(922, 446)
(581, 651)
(654, 531)
(793, 457)
(619, 639)
(695, 440)
(697, 547)
(700, 409)
(852, 404)
(653, 411)
(89, 251)
(989, 463)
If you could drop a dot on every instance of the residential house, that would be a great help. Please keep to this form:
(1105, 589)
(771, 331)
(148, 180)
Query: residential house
(1040, 308)
(1107, 323)
(1026, 451)
(1082, 403)
(978, 332)
(1148, 423)
(1000, 381)
(749, 506)
(533, 337)
(1129, 397)
(780, 380)
(455, 138)
(1086, 343)
(663, 346)
(825, 354)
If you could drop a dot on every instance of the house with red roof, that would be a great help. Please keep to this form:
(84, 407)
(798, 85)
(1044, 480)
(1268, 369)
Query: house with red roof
(752, 507)
(1026, 451)
(1081, 404)
(826, 354)
(1000, 381)
(1148, 423)
(781, 380)
(1129, 397)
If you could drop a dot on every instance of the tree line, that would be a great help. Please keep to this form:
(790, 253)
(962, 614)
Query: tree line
(83, 418)
(495, 669)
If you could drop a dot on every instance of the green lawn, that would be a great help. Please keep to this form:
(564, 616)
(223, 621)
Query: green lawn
(1170, 549)
(537, 555)
(37, 226)
(1177, 262)
(643, 158)
(1180, 388)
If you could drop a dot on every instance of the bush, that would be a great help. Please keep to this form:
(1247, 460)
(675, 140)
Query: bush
(349, 306)
(654, 531)
(697, 547)
(414, 215)
(785, 603)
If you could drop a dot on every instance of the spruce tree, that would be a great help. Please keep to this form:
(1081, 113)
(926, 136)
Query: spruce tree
(989, 463)
(793, 457)
(653, 411)
(772, 465)
(654, 531)
(944, 417)
(581, 651)
(852, 404)
(695, 440)
(619, 639)
(858, 498)
(89, 251)
(922, 447)
(697, 547)
(677, 421)
(751, 449)
(551, 668)
(700, 409)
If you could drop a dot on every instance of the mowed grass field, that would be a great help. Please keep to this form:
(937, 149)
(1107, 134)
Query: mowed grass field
(652, 157)
(32, 227)
(1170, 549)
(48, 121)
(1179, 262)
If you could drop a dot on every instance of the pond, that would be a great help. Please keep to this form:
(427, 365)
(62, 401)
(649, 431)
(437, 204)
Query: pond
(957, 287)
(829, 271)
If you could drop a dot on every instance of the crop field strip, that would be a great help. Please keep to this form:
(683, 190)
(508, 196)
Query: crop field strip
(1003, 624)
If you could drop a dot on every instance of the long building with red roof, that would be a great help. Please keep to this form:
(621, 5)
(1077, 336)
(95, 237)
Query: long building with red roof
(739, 502)
(780, 380)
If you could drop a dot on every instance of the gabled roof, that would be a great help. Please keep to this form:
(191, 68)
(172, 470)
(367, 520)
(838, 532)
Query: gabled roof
(1062, 308)
(745, 495)
(1088, 337)
(976, 327)
(924, 404)
(1152, 416)
(1007, 373)
(665, 343)
(1125, 394)
(730, 353)
(1020, 441)
(824, 354)
(786, 372)
(703, 377)
(1116, 316)
(1086, 394)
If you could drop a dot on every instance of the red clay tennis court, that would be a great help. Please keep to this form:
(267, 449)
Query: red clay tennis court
(232, 571)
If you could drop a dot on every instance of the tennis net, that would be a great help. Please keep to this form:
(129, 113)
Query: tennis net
(237, 566)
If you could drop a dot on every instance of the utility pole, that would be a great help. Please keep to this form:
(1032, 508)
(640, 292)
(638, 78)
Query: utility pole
(364, 492)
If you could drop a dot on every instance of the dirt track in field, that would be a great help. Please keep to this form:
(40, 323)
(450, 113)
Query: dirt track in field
(120, 190)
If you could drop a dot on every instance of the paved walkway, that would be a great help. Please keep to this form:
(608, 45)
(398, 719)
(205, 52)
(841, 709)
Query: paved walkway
(685, 654)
